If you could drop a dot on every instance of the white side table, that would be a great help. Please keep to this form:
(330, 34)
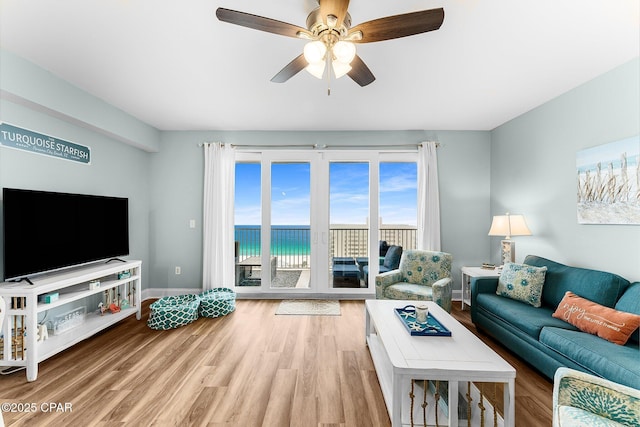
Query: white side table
(469, 273)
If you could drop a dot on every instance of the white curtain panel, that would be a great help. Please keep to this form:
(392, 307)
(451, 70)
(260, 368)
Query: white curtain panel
(428, 197)
(219, 185)
(3, 314)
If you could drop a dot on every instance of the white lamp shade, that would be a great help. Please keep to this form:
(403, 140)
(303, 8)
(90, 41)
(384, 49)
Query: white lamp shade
(314, 51)
(344, 51)
(509, 225)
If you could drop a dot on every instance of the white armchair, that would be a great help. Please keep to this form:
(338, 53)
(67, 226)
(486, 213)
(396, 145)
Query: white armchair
(581, 399)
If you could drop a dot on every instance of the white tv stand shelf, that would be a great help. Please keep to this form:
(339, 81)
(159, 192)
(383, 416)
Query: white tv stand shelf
(20, 347)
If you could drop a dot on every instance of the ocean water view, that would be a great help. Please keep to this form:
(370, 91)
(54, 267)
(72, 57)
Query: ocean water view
(285, 239)
(291, 244)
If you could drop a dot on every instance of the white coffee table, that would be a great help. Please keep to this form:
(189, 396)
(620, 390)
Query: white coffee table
(400, 357)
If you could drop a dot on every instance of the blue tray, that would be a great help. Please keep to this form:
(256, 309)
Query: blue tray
(433, 328)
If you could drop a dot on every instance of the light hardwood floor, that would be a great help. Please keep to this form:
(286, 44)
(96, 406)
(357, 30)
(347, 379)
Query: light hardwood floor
(250, 368)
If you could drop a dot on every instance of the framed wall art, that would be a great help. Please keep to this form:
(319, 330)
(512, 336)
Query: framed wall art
(609, 183)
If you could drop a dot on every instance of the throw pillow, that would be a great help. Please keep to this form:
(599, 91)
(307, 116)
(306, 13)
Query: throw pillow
(522, 282)
(588, 316)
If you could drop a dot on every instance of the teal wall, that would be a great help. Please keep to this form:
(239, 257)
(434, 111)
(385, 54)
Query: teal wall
(177, 171)
(525, 166)
(533, 172)
(24, 83)
(116, 169)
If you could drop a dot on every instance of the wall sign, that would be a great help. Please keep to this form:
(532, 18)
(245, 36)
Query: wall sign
(26, 140)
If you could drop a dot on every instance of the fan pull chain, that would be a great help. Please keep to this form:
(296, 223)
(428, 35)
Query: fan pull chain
(328, 67)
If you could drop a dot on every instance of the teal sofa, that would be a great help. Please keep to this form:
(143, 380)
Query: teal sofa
(548, 343)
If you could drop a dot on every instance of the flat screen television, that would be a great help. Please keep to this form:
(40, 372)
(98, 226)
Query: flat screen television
(46, 231)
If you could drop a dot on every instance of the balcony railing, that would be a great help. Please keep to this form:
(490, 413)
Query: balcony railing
(292, 245)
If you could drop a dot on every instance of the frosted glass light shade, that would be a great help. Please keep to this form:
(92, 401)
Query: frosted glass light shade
(340, 68)
(316, 69)
(344, 51)
(314, 51)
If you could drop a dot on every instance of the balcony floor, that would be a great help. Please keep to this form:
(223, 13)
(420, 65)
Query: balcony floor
(293, 278)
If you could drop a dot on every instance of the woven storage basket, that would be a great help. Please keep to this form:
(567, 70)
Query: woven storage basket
(173, 312)
(217, 302)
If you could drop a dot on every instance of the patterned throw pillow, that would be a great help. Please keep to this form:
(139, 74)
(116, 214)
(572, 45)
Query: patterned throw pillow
(522, 282)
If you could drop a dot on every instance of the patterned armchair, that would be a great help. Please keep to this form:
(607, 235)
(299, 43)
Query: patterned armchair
(422, 275)
(581, 399)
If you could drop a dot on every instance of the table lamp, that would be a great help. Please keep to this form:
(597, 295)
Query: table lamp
(509, 225)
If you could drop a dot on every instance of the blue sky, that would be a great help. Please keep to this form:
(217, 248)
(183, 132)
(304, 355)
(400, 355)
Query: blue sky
(290, 194)
(611, 152)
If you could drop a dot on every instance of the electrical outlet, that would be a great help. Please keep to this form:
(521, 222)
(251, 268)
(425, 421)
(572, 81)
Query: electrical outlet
(192, 223)
(178, 270)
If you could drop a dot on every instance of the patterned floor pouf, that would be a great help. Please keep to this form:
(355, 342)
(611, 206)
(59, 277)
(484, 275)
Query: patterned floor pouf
(217, 302)
(173, 312)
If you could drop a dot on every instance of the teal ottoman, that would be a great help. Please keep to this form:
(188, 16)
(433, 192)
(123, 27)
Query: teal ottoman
(217, 302)
(173, 312)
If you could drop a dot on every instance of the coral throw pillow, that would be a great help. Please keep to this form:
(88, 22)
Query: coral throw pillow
(588, 316)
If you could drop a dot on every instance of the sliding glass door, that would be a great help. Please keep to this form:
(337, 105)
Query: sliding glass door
(348, 223)
(248, 224)
(290, 225)
(310, 221)
(274, 223)
(398, 203)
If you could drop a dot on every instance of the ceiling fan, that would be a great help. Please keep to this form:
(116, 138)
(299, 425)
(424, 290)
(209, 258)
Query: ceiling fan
(331, 38)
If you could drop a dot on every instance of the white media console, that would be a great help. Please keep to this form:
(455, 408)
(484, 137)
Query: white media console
(24, 341)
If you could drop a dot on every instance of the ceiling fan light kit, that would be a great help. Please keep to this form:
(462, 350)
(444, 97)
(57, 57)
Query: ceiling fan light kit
(316, 69)
(318, 53)
(340, 68)
(331, 38)
(344, 51)
(315, 51)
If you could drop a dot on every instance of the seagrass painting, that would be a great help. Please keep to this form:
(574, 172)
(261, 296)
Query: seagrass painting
(609, 183)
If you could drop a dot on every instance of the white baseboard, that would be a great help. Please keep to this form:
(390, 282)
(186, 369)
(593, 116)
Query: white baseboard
(154, 293)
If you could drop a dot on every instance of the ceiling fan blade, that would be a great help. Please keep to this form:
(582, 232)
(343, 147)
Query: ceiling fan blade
(290, 70)
(396, 26)
(337, 8)
(260, 23)
(360, 73)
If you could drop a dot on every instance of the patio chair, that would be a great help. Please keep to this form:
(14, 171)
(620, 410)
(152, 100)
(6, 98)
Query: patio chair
(345, 272)
(390, 261)
(586, 400)
(421, 275)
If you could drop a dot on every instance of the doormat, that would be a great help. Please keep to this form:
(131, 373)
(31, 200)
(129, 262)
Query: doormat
(309, 307)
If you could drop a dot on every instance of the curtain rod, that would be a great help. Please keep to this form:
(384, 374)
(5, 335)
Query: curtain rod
(324, 146)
